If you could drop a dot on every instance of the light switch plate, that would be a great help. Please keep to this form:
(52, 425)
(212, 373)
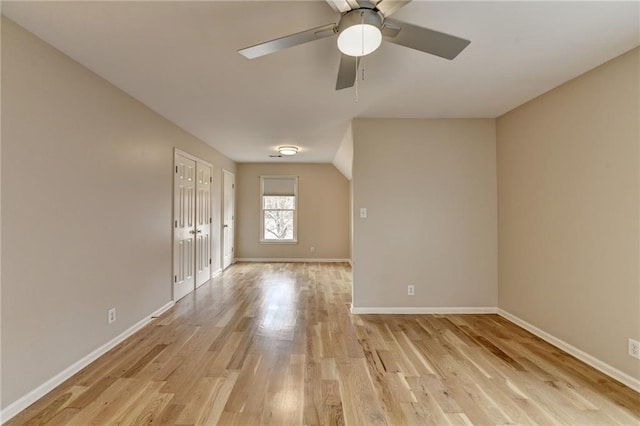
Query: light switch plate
(363, 213)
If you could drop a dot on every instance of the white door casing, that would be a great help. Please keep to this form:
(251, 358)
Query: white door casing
(184, 226)
(228, 198)
(203, 223)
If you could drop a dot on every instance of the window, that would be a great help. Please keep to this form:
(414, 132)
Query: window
(279, 201)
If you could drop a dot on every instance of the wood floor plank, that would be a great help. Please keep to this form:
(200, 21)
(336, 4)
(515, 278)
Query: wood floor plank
(130, 415)
(170, 414)
(150, 413)
(56, 407)
(201, 398)
(108, 403)
(275, 343)
(219, 399)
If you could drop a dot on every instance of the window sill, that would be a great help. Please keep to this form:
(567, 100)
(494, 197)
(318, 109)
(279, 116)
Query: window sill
(278, 242)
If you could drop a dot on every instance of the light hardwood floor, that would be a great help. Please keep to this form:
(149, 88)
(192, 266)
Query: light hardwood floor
(275, 343)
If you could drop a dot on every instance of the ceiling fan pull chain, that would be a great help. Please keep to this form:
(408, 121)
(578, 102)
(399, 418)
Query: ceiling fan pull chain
(362, 31)
(363, 55)
(361, 58)
(356, 79)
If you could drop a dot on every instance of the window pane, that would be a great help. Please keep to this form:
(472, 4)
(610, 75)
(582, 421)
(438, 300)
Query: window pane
(278, 225)
(278, 202)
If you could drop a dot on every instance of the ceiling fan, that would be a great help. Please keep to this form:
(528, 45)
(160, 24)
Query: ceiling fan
(362, 26)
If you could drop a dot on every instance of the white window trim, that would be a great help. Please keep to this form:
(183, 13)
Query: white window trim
(295, 211)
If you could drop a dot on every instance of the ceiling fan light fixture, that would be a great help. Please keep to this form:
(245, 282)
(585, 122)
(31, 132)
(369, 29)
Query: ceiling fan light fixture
(359, 32)
(288, 150)
(359, 40)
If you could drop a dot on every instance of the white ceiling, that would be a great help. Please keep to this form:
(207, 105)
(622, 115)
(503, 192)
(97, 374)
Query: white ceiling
(180, 59)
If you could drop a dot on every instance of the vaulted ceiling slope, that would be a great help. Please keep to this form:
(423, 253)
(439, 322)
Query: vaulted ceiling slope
(180, 59)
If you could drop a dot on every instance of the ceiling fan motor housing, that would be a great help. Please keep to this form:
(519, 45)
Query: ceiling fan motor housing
(360, 16)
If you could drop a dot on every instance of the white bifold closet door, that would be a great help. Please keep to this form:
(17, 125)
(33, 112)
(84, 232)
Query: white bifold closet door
(203, 223)
(191, 225)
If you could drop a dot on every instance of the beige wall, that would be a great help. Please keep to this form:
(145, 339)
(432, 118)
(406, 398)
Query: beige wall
(430, 190)
(86, 210)
(323, 212)
(343, 160)
(569, 211)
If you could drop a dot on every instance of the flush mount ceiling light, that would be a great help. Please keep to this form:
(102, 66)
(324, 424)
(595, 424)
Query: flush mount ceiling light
(288, 150)
(359, 32)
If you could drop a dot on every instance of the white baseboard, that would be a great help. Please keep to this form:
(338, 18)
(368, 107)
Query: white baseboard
(216, 273)
(291, 260)
(17, 406)
(417, 311)
(594, 362)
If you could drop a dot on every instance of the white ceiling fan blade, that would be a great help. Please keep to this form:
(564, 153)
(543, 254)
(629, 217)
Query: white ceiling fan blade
(339, 6)
(426, 40)
(364, 4)
(347, 71)
(288, 41)
(389, 7)
(342, 6)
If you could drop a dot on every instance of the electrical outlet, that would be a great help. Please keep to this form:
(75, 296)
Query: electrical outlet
(411, 290)
(112, 315)
(634, 348)
(312, 249)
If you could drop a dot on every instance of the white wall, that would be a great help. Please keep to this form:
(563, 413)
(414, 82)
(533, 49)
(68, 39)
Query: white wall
(568, 172)
(430, 190)
(86, 210)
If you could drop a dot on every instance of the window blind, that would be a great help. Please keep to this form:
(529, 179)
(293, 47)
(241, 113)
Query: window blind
(279, 185)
